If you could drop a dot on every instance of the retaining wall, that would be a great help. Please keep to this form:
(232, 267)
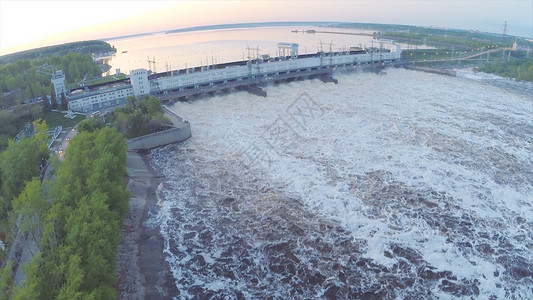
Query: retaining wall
(162, 138)
(432, 70)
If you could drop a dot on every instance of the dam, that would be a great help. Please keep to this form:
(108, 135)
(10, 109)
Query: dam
(261, 70)
(249, 75)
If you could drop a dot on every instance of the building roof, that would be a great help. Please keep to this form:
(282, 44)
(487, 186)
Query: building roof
(87, 91)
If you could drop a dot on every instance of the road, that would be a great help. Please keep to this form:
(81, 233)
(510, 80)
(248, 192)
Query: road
(65, 137)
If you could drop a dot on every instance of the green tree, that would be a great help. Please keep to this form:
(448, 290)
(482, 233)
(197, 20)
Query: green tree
(81, 234)
(73, 71)
(154, 106)
(92, 228)
(137, 124)
(53, 101)
(131, 104)
(30, 287)
(74, 280)
(47, 106)
(30, 205)
(20, 163)
(36, 88)
(8, 121)
(41, 137)
(16, 167)
(64, 103)
(6, 281)
(91, 124)
(144, 115)
(36, 112)
(120, 122)
(158, 122)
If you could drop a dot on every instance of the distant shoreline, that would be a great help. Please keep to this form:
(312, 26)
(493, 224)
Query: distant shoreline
(376, 26)
(222, 27)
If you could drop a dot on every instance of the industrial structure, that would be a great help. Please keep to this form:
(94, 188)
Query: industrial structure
(58, 80)
(248, 75)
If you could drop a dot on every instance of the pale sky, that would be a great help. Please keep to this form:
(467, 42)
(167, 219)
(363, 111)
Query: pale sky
(30, 24)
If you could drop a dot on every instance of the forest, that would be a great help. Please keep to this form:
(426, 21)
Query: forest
(137, 117)
(25, 82)
(76, 215)
(77, 232)
(519, 69)
(84, 47)
(26, 79)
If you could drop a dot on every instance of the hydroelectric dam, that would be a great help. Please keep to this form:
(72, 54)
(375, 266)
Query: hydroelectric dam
(249, 75)
(252, 74)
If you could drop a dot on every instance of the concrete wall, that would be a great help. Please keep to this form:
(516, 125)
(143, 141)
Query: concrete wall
(170, 136)
(432, 70)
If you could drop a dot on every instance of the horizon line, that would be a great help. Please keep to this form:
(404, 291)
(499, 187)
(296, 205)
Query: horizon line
(247, 25)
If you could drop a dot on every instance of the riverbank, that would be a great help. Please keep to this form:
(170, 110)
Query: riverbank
(142, 272)
(141, 269)
(440, 71)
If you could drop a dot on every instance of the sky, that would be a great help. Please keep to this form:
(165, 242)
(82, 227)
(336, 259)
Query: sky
(28, 24)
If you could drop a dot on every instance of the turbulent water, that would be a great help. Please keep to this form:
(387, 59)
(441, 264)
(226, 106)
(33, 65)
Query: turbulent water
(409, 185)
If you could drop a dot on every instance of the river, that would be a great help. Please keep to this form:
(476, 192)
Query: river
(408, 185)
(397, 186)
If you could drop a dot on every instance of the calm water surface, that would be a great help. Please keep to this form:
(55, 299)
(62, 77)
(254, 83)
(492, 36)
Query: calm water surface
(191, 49)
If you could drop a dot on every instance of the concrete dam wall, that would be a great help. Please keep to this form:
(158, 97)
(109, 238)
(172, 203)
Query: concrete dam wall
(162, 138)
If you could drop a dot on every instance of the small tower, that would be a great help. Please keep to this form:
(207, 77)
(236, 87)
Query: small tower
(58, 80)
(139, 81)
(292, 47)
(399, 51)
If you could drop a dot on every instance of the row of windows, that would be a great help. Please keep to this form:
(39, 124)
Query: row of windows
(100, 98)
(86, 108)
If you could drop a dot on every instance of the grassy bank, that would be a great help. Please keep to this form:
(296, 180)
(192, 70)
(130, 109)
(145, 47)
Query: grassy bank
(54, 119)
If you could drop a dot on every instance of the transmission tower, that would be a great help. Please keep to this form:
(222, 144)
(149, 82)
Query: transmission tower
(151, 63)
(504, 38)
(504, 35)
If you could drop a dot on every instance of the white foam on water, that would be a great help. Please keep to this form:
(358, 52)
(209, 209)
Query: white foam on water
(471, 74)
(460, 147)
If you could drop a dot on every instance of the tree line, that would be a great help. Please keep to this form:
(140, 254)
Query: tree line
(19, 163)
(462, 41)
(84, 47)
(519, 69)
(26, 79)
(76, 217)
(137, 117)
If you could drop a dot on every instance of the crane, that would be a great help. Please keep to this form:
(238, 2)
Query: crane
(151, 63)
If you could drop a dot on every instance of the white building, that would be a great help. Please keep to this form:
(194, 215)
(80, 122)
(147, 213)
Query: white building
(95, 98)
(139, 81)
(58, 80)
(85, 100)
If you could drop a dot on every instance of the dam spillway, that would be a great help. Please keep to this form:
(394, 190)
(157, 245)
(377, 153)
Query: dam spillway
(257, 72)
(249, 75)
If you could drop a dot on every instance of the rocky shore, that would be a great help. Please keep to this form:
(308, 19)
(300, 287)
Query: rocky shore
(142, 272)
